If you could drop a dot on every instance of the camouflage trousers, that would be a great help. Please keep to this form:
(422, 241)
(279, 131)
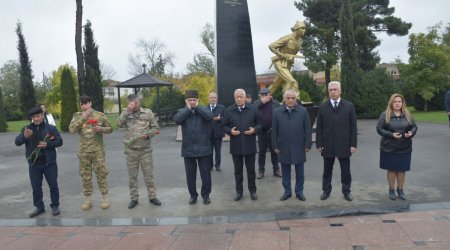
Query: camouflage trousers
(93, 161)
(140, 158)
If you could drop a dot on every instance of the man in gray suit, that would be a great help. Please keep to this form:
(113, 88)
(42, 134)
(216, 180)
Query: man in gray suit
(291, 139)
(336, 136)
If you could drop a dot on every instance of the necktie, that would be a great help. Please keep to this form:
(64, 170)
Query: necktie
(213, 107)
(335, 104)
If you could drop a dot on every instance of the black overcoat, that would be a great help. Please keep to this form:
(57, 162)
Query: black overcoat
(250, 116)
(336, 129)
(196, 131)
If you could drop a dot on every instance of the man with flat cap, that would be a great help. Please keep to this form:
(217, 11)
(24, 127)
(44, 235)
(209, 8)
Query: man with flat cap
(266, 105)
(40, 141)
(196, 147)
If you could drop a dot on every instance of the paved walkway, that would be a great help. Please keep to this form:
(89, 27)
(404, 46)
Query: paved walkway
(408, 230)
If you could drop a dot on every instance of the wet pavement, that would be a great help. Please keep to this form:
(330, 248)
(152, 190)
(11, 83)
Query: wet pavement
(370, 221)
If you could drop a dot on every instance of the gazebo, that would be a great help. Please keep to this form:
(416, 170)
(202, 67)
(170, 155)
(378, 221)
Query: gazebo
(144, 80)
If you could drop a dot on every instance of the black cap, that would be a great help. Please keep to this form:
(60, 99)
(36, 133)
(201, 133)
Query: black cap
(35, 110)
(191, 94)
(264, 91)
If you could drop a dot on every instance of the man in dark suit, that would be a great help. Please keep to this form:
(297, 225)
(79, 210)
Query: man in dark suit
(336, 136)
(242, 121)
(195, 124)
(217, 134)
(266, 105)
(291, 139)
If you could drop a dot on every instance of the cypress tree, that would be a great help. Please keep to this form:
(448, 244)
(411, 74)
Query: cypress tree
(27, 93)
(69, 102)
(93, 78)
(3, 124)
(349, 59)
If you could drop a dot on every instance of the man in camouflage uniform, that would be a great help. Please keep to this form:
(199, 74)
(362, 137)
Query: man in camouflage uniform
(91, 125)
(141, 126)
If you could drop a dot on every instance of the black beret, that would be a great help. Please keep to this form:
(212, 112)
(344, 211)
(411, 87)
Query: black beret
(191, 94)
(35, 110)
(264, 91)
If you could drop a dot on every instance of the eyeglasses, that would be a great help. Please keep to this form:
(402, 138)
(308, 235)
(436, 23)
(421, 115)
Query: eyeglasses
(291, 97)
(332, 90)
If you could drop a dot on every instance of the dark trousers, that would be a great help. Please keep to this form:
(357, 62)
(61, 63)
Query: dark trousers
(299, 178)
(216, 145)
(346, 177)
(50, 173)
(264, 142)
(238, 161)
(190, 165)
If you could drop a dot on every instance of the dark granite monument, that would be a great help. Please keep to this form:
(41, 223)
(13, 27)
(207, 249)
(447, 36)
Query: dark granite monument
(235, 65)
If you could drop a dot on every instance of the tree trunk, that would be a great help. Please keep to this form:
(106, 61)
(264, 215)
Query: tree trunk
(78, 48)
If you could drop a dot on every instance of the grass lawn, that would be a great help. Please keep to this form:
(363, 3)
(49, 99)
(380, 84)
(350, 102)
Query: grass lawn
(16, 126)
(431, 116)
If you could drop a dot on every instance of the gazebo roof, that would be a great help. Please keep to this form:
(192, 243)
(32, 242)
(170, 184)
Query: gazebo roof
(143, 80)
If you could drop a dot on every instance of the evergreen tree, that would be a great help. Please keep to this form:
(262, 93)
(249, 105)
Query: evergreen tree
(69, 104)
(3, 124)
(93, 77)
(349, 60)
(369, 18)
(27, 93)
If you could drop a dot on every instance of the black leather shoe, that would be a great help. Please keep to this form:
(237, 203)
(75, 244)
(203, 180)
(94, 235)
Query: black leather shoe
(260, 175)
(132, 204)
(55, 211)
(238, 197)
(218, 169)
(155, 201)
(193, 200)
(324, 196)
(401, 195)
(206, 200)
(348, 197)
(36, 212)
(301, 197)
(277, 173)
(285, 197)
(253, 196)
(392, 195)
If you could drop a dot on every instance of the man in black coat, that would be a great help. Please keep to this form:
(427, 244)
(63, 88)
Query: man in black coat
(266, 105)
(217, 134)
(41, 139)
(291, 139)
(242, 121)
(336, 136)
(196, 147)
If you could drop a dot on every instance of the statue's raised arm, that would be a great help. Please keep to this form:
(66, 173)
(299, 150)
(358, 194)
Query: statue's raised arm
(286, 50)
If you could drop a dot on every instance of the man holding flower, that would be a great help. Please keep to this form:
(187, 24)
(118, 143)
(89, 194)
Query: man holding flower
(40, 141)
(91, 125)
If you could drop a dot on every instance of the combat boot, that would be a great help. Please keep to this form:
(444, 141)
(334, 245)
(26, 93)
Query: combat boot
(105, 202)
(87, 203)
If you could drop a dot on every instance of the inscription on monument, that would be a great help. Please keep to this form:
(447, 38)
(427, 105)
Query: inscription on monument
(232, 2)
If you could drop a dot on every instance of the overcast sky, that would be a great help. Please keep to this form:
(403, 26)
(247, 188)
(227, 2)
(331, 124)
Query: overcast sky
(49, 28)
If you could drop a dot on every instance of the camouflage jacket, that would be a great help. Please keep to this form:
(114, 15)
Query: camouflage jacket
(137, 124)
(90, 141)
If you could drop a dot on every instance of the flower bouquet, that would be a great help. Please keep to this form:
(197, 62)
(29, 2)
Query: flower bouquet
(35, 154)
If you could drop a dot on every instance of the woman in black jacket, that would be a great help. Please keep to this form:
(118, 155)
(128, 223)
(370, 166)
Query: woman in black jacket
(396, 127)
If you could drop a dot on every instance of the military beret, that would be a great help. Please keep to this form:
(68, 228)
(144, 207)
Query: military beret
(35, 110)
(191, 94)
